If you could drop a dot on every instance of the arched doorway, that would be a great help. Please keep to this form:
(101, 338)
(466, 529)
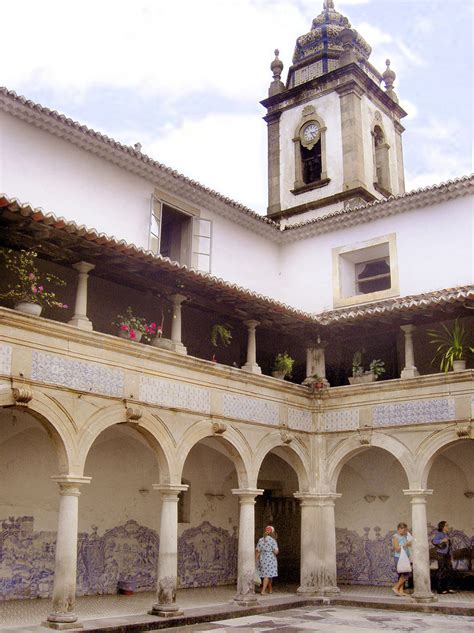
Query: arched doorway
(119, 516)
(208, 515)
(28, 504)
(279, 508)
(451, 477)
(371, 483)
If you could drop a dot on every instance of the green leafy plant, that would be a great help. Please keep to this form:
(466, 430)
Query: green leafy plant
(357, 369)
(31, 285)
(221, 333)
(451, 344)
(132, 325)
(377, 367)
(284, 363)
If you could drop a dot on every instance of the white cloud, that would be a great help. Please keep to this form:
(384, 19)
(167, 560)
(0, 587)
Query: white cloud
(224, 152)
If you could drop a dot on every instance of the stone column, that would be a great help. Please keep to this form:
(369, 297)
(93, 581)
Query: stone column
(65, 568)
(352, 142)
(273, 123)
(420, 549)
(409, 371)
(80, 319)
(167, 576)
(251, 364)
(176, 324)
(318, 543)
(246, 561)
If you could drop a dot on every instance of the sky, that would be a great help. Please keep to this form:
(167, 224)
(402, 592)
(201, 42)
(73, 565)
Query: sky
(185, 78)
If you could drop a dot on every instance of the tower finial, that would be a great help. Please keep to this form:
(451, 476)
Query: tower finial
(388, 78)
(276, 67)
(328, 5)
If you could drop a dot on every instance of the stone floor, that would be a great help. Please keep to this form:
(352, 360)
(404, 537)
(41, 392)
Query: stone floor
(20, 613)
(337, 619)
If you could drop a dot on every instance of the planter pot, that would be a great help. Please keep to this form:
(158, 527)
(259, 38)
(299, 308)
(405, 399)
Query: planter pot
(127, 587)
(279, 374)
(163, 343)
(28, 308)
(367, 377)
(459, 365)
(137, 339)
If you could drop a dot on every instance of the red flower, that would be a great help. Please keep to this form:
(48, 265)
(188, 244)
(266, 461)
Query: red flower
(132, 334)
(124, 327)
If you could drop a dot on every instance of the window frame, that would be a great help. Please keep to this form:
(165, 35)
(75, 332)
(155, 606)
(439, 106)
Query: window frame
(340, 259)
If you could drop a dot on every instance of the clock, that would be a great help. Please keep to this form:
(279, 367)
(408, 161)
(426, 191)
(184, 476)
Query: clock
(310, 132)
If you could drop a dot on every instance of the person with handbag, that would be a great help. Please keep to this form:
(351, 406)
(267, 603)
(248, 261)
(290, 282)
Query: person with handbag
(442, 543)
(401, 543)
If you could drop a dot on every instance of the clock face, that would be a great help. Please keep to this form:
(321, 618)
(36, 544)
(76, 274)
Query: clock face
(310, 131)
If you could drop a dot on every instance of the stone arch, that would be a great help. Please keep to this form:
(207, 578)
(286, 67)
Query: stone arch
(152, 428)
(380, 149)
(430, 448)
(294, 454)
(237, 448)
(351, 446)
(57, 423)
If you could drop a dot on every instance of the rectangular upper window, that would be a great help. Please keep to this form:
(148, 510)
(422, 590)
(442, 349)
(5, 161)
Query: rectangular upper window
(180, 235)
(365, 271)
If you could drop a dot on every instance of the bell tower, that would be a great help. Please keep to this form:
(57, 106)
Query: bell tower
(334, 134)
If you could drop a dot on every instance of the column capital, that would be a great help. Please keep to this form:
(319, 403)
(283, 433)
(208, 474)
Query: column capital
(317, 498)
(69, 484)
(170, 491)
(408, 329)
(247, 495)
(252, 323)
(418, 495)
(178, 299)
(83, 267)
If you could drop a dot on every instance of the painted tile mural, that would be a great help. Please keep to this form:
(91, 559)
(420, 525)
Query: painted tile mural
(207, 556)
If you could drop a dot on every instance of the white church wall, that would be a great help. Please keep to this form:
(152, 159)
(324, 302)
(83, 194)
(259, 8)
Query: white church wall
(432, 254)
(328, 108)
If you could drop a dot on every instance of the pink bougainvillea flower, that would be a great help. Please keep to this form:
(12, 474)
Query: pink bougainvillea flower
(153, 325)
(65, 305)
(124, 327)
(132, 334)
(34, 289)
(31, 276)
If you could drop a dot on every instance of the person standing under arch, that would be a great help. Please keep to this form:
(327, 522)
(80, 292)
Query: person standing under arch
(266, 558)
(401, 540)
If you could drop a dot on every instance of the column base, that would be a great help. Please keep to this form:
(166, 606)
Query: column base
(82, 323)
(168, 344)
(252, 368)
(249, 600)
(424, 597)
(318, 591)
(164, 611)
(62, 626)
(409, 372)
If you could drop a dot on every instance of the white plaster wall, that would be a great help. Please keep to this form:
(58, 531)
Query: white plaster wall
(68, 181)
(434, 244)
(329, 109)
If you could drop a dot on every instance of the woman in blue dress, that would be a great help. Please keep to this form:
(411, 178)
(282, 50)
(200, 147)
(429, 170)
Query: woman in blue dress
(266, 558)
(402, 539)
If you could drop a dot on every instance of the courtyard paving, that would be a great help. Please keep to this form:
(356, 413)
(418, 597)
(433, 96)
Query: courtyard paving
(337, 619)
(95, 612)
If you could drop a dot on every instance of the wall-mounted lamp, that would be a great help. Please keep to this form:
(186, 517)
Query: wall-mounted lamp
(383, 498)
(370, 498)
(211, 495)
(469, 494)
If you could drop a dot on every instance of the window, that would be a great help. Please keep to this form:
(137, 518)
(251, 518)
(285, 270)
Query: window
(179, 235)
(366, 271)
(310, 152)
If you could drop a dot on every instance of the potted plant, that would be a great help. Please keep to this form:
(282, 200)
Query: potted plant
(359, 375)
(452, 348)
(315, 383)
(134, 328)
(221, 333)
(30, 292)
(283, 366)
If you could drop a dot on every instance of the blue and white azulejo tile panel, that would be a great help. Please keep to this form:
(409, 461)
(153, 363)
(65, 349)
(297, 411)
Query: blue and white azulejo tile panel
(168, 393)
(299, 419)
(341, 420)
(75, 374)
(5, 359)
(252, 409)
(414, 412)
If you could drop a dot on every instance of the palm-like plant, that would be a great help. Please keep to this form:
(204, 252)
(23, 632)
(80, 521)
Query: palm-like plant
(451, 344)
